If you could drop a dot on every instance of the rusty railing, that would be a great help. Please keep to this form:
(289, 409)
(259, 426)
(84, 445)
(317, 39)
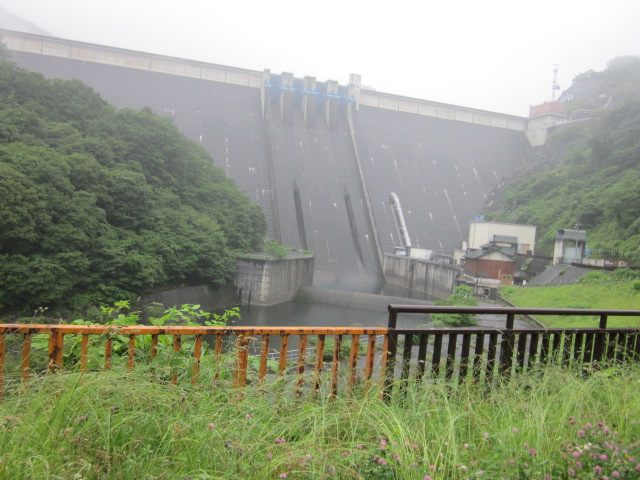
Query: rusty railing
(244, 339)
(453, 354)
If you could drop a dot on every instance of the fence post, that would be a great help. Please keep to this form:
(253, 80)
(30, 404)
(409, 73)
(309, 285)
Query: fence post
(600, 339)
(242, 362)
(2, 360)
(506, 347)
(392, 348)
(55, 350)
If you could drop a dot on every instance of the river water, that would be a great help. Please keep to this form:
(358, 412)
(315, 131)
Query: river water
(302, 313)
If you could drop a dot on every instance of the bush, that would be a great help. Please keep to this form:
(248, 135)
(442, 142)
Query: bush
(345, 347)
(275, 249)
(595, 276)
(461, 296)
(624, 274)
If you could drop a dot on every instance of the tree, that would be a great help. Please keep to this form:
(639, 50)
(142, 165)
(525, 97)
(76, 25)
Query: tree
(461, 296)
(99, 205)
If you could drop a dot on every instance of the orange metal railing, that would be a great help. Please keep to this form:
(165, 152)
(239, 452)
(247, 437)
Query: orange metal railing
(476, 354)
(240, 338)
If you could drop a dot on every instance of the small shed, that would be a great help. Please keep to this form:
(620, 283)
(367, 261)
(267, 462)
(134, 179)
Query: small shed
(491, 263)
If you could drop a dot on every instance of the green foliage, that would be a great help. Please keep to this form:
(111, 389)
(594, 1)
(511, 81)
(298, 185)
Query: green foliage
(123, 424)
(120, 315)
(461, 296)
(625, 274)
(594, 180)
(345, 347)
(275, 249)
(617, 275)
(98, 204)
(594, 276)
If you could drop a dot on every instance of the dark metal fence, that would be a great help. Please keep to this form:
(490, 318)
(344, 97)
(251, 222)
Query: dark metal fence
(357, 358)
(482, 354)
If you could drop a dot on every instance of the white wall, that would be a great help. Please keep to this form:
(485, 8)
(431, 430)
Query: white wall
(481, 233)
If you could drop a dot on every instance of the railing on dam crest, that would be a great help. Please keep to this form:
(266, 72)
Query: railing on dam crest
(318, 359)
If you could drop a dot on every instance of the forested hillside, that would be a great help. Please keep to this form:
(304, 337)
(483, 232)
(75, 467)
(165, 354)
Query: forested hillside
(99, 204)
(588, 174)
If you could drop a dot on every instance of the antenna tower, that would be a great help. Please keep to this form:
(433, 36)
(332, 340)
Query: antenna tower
(554, 84)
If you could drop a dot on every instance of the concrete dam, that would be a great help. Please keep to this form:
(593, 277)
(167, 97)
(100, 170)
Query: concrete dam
(320, 158)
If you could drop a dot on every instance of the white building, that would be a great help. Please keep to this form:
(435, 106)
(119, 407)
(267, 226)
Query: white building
(482, 233)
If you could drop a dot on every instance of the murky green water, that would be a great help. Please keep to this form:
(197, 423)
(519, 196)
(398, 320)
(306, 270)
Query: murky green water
(310, 314)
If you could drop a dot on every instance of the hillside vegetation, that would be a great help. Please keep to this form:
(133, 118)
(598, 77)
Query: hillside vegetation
(99, 204)
(588, 173)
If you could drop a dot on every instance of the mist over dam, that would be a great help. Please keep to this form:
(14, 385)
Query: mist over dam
(320, 158)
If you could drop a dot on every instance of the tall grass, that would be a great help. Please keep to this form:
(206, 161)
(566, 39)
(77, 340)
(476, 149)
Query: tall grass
(122, 424)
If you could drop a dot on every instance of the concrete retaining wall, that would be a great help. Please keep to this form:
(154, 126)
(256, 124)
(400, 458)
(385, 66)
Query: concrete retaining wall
(427, 279)
(262, 281)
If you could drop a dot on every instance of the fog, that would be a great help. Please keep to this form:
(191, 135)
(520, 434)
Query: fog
(496, 55)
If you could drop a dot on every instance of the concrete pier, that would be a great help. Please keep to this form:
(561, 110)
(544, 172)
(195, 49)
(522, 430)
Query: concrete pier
(424, 278)
(265, 281)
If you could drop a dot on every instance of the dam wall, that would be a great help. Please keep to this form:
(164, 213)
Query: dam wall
(424, 279)
(319, 158)
(442, 171)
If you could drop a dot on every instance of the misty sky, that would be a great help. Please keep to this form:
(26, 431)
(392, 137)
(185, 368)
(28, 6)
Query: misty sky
(494, 55)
